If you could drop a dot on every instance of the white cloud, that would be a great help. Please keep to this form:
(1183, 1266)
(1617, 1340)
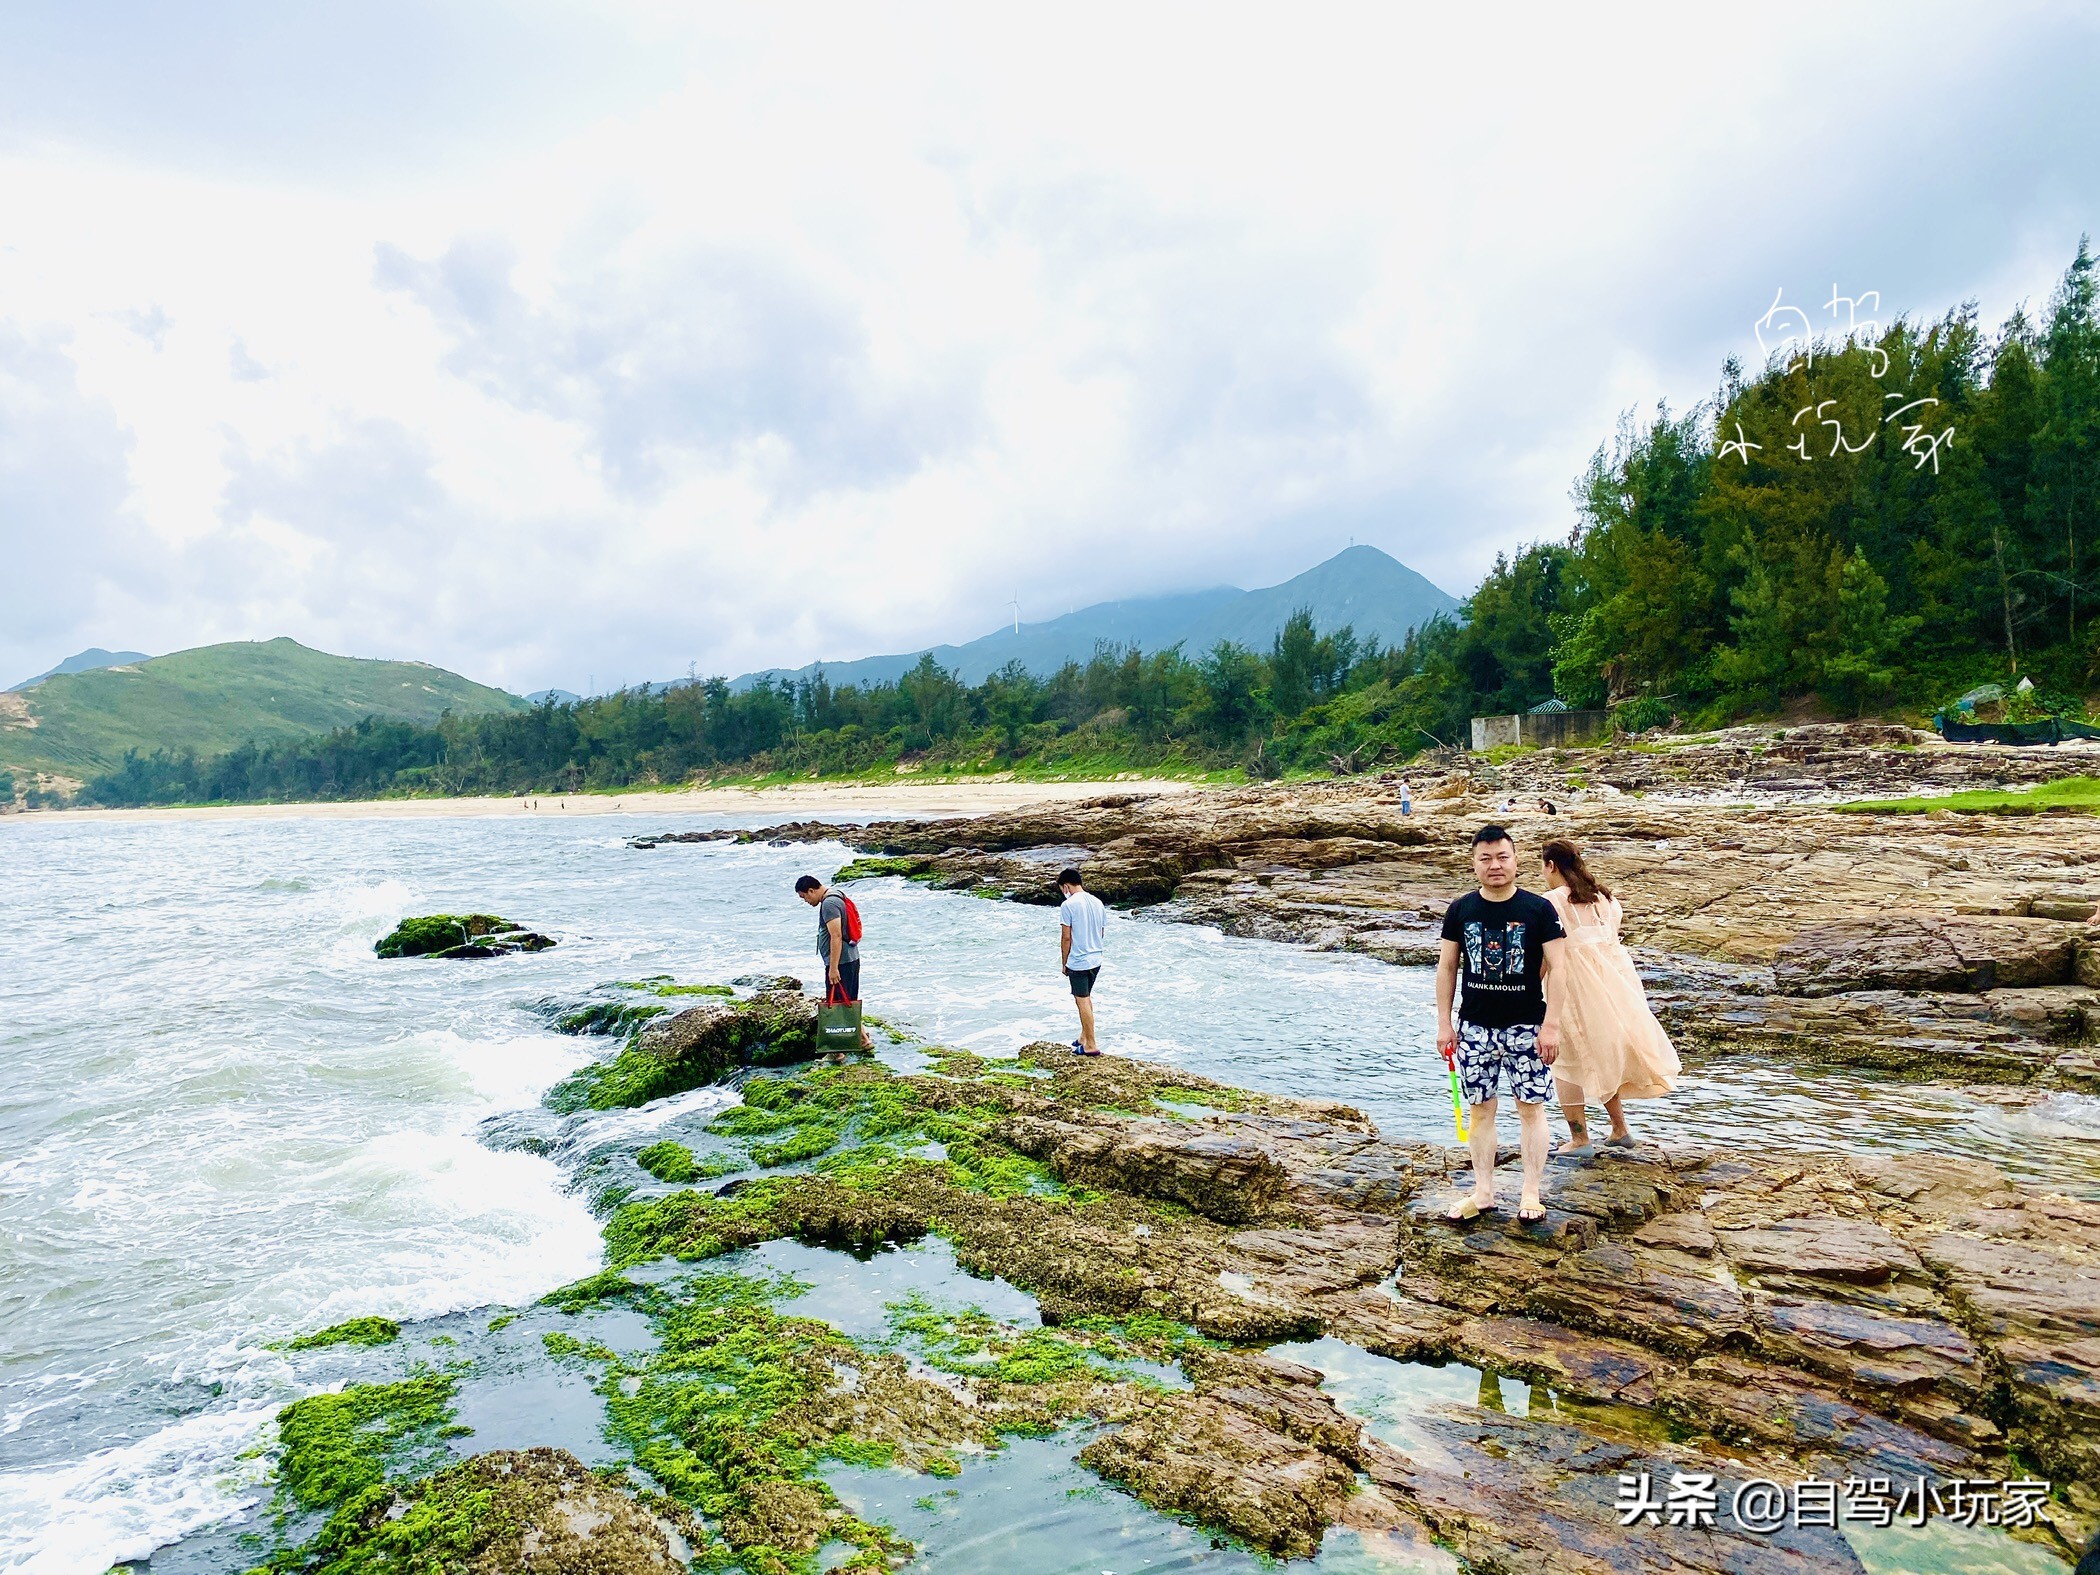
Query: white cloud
(604, 342)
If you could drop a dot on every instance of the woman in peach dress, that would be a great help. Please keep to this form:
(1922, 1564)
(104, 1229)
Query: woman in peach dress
(1611, 1046)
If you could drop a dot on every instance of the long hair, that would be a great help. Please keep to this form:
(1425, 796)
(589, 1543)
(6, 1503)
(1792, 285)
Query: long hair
(1583, 887)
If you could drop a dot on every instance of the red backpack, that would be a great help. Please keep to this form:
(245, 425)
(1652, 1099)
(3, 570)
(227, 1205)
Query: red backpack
(852, 924)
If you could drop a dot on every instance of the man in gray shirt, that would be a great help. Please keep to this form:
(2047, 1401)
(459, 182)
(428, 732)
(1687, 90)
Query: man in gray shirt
(1082, 943)
(839, 951)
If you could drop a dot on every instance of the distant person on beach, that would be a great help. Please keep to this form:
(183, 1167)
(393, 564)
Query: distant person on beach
(1081, 947)
(1407, 798)
(1506, 945)
(1611, 1046)
(840, 951)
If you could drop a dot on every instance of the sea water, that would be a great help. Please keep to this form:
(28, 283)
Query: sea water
(224, 1121)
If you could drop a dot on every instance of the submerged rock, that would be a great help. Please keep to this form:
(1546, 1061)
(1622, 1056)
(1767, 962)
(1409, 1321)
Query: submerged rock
(452, 935)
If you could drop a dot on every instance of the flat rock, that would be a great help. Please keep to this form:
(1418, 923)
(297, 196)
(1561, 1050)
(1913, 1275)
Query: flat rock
(1922, 952)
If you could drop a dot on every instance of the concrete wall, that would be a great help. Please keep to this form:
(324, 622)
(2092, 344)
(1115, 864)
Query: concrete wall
(1547, 730)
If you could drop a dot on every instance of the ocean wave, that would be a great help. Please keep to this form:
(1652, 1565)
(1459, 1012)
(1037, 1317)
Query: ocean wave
(122, 1503)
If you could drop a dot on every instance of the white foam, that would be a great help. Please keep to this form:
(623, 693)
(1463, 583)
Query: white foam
(2074, 1116)
(601, 1125)
(122, 1503)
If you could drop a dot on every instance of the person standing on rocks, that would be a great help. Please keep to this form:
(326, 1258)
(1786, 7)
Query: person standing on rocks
(1082, 946)
(839, 949)
(1507, 945)
(1613, 1048)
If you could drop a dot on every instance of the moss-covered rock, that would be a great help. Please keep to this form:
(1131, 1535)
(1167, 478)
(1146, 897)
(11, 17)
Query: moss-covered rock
(352, 1331)
(702, 1044)
(874, 867)
(513, 1512)
(451, 935)
(672, 1161)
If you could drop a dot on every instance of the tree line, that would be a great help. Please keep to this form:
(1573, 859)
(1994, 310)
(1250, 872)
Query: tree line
(1312, 699)
(1876, 520)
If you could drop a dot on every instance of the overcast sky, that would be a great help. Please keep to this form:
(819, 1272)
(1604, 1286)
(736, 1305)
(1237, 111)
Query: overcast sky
(559, 343)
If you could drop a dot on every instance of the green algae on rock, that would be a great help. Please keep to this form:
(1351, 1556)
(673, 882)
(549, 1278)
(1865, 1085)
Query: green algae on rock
(700, 1045)
(671, 1161)
(457, 935)
(874, 868)
(512, 1512)
(339, 1448)
(352, 1331)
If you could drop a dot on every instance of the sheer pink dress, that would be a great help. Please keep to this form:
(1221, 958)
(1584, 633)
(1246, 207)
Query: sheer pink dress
(1610, 1042)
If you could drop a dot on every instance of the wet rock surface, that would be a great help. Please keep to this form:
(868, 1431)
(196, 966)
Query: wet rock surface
(1776, 1316)
(1765, 922)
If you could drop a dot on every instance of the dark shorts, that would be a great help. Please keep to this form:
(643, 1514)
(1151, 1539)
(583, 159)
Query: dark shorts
(1489, 1057)
(1083, 980)
(849, 979)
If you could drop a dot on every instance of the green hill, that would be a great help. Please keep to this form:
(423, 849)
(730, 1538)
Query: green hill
(215, 697)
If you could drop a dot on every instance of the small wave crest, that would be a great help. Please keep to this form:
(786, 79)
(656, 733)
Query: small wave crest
(122, 1503)
(2060, 1116)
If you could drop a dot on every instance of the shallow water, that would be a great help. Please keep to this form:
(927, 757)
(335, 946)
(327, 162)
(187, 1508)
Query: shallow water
(227, 1122)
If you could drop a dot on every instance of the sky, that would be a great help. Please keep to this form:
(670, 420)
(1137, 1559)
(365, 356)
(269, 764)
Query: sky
(579, 346)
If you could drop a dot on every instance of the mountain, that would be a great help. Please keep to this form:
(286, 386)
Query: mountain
(1376, 593)
(215, 697)
(558, 696)
(81, 662)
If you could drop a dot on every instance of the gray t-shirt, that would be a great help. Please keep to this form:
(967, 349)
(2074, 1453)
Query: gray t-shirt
(834, 907)
(1088, 919)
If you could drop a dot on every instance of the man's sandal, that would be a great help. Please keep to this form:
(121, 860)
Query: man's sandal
(1533, 1214)
(1467, 1208)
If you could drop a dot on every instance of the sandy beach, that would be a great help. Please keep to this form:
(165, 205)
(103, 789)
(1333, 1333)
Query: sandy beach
(852, 800)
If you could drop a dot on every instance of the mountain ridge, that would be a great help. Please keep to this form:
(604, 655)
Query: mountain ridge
(1371, 590)
(212, 698)
(87, 661)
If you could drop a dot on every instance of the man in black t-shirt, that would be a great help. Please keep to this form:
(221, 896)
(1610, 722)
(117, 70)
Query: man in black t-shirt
(1507, 945)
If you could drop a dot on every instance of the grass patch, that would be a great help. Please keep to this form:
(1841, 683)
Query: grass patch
(2065, 796)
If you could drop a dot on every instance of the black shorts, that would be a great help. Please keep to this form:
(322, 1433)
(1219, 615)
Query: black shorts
(1083, 980)
(849, 979)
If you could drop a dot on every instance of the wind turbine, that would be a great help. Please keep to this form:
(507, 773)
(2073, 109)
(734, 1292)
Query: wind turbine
(1017, 612)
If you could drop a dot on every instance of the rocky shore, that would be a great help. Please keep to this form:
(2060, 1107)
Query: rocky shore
(1895, 1324)
(1679, 1314)
(1766, 921)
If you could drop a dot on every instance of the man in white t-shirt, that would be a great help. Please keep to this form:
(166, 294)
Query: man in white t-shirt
(1082, 944)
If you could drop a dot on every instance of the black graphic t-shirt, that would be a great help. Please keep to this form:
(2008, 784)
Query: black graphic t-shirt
(1501, 956)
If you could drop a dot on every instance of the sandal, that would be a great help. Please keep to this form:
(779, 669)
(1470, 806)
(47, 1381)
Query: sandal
(1624, 1140)
(1467, 1208)
(1532, 1214)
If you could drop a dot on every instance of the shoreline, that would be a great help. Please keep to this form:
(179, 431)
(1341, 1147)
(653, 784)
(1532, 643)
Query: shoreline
(836, 798)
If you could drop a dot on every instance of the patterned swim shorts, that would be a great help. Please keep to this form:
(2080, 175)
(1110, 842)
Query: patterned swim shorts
(1486, 1056)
